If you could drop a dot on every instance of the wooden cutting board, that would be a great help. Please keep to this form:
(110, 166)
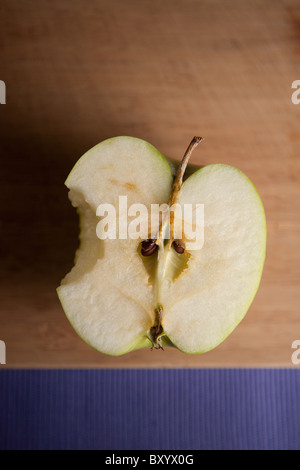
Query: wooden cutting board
(79, 72)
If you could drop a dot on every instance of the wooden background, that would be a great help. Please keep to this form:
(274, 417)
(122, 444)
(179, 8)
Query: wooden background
(78, 72)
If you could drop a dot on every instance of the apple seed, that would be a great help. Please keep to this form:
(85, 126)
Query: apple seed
(149, 247)
(177, 247)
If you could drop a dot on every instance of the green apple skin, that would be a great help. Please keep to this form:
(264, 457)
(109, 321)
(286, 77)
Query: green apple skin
(144, 342)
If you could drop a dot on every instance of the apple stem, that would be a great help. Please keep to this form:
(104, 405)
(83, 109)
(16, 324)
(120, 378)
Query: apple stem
(182, 167)
(177, 185)
(178, 179)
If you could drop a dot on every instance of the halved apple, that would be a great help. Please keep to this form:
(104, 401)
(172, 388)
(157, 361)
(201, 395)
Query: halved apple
(124, 294)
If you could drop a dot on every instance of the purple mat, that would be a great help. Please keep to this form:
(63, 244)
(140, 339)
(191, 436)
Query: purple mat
(150, 409)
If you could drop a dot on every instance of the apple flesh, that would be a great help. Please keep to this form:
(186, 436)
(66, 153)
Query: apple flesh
(119, 300)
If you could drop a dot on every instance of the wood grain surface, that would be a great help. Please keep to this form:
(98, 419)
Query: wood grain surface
(78, 72)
